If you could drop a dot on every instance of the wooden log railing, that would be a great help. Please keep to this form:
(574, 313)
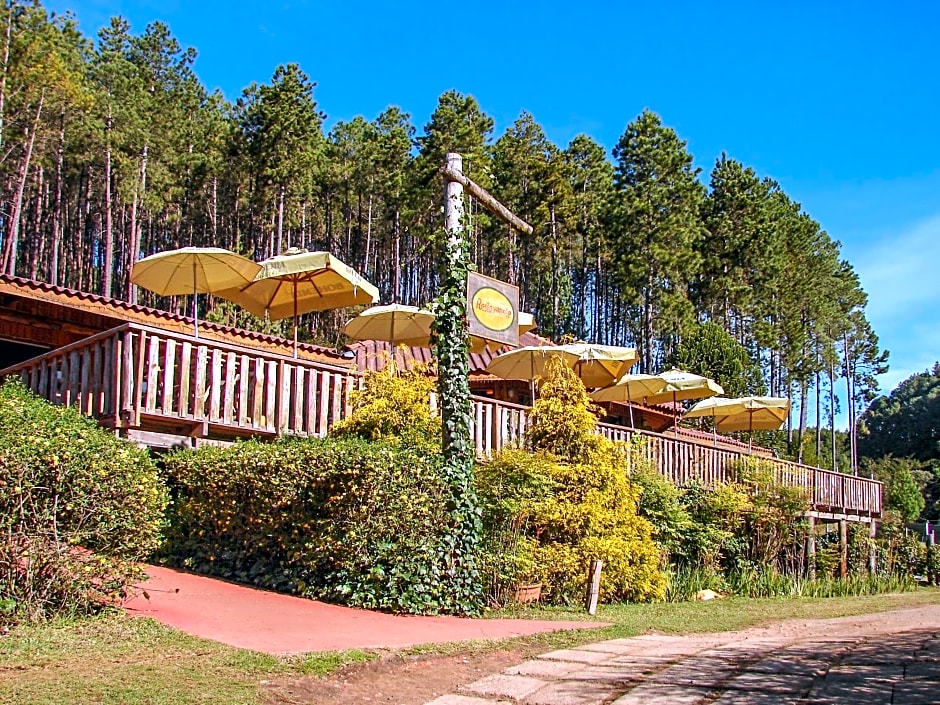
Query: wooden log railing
(134, 375)
(138, 377)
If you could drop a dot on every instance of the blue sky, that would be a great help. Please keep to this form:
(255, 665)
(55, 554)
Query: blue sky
(839, 101)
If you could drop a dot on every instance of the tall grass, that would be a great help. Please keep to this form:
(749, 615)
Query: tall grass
(685, 583)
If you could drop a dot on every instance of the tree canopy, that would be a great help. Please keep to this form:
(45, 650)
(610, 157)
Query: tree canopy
(113, 149)
(906, 423)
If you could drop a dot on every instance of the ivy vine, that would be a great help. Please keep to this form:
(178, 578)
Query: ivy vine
(451, 338)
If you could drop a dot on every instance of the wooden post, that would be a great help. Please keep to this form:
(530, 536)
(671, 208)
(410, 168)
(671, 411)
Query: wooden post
(873, 548)
(843, 547)
(593, 586)
(811, 548)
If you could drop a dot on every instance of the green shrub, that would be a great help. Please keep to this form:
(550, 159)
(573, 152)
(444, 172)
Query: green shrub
(511, 487)
(661, 504)
(932, 564)
(900, 552)
(394, 407)
(345, 520)
(77, 508)
(717, 516)
(550, 511)
(773, 525)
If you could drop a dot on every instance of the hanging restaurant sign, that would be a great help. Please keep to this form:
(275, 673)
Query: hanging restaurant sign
(493, 309)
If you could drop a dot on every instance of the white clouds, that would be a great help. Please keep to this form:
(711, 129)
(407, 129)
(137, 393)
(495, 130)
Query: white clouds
(901, 273)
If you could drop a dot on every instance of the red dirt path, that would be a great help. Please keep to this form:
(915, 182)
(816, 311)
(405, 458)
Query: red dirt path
(281, 624)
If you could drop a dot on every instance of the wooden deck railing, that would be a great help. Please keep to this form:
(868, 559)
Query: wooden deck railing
(137, 377)
(132, 374)
(682, 460)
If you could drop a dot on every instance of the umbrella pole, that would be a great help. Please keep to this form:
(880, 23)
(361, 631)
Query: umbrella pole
(675, 429)
(391, 342)
(195, 304)
(295, 318)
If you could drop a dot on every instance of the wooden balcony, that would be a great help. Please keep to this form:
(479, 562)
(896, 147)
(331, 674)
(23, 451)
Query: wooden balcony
(163, 388)
(166, 389)
(832, 494)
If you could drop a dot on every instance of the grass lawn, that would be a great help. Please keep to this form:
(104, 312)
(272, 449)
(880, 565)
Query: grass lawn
(136, 661)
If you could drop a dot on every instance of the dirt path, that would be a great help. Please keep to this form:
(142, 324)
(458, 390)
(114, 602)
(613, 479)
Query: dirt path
(890, 657)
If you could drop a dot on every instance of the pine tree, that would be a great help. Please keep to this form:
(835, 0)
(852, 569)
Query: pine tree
(655, 233)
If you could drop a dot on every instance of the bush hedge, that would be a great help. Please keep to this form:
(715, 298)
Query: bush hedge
(551, 510)
(77, 508)
(362, 523)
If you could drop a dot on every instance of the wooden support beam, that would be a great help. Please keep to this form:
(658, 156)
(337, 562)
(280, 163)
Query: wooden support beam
(843, 548)
(811, 548)
(490, 203)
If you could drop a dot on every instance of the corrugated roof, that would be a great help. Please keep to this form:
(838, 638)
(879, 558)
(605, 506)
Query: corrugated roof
(125, 311)
(373, 355)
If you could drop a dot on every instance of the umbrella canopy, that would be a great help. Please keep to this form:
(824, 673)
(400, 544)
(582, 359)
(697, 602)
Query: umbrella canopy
(299, 282)
(681, 385)
(394, 323)
(630, 388)
(528, 363)
(743, 414)
(193, 270)
(601, 365)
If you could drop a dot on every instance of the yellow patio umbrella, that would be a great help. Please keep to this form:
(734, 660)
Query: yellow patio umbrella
(743, 414)
(193, 270)
(630, 388)
(528, 362)
(299, 282)
(682, 385)
(396, 324)
(601, 365)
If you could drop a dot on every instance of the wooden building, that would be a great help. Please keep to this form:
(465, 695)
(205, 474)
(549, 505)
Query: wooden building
(141, 372)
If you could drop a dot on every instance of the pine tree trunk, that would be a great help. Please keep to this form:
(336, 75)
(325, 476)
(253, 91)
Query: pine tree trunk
(134, 239)
(396, 274)
(38, 248)
(9, 259)
(106, 281)
(554, 285)
(280, 219)
(804, 411)
(365, 258)
(8, 7)
(57, 207)
(818, 416)
(850, 401)
(832, 417)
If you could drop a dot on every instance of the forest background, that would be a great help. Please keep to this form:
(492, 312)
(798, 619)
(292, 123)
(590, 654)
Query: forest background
(112, 148)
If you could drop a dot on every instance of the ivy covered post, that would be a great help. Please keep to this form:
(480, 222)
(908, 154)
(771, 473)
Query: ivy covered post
(454, 393)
